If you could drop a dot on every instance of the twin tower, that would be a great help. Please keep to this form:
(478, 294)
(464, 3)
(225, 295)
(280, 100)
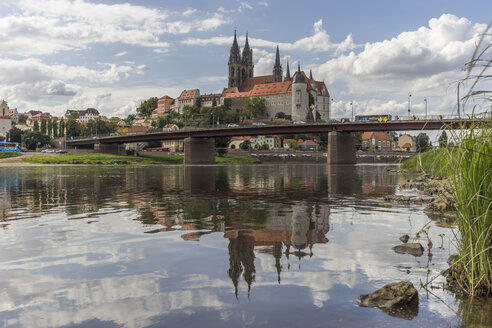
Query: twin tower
(241, 67)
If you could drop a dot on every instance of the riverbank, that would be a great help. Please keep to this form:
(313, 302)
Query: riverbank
(106, 159)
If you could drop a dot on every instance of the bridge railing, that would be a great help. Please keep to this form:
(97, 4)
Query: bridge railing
(276, 123)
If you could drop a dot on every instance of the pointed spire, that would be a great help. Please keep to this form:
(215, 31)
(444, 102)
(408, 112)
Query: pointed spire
(310, 74)
(277, 57)
(246, 44)
(299, 67)
(287, 74)
(247, 53)
(235, 54)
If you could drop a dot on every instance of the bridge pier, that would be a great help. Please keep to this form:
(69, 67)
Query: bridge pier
(113, 149)
(341, 148)
(199, 151)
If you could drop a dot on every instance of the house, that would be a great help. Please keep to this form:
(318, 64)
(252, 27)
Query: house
(143, 122)
(165, 105)
(187, 98)
(170, 128)
(84, 115)
(208, 99)
(406, 143)
(376, 141)
(5, 125)
(273, 142)
(33, 112)
(6, 112)
(39, 118)
(237, 141)
(308, 145)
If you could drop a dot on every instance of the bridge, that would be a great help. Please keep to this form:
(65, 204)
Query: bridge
(199, 142)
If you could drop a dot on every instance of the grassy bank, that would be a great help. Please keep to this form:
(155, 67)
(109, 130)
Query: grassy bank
(8, 154)
(468, 168)
(105, 159)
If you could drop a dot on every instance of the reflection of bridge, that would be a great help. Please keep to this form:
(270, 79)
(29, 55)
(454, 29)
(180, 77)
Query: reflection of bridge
(199, 143)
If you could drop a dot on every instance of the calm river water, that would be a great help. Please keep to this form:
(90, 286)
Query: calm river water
(216, 246)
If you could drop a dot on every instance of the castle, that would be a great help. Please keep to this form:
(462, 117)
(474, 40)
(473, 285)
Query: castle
(300, 96)
(289, 95)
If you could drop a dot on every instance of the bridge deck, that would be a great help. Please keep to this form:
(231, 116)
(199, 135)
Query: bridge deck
(272, 129)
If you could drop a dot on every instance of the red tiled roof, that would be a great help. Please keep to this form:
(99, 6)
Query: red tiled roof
(271, 88)
(250, 82)
(407, 145)
(378, 135)
(240, 138)
(188, 94)
(229, 90)
(237, 95)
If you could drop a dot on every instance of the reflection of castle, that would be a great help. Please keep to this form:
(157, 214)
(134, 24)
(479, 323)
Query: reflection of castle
(299, 231)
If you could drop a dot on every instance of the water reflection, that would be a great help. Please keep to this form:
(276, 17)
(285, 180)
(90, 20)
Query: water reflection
(219, 245)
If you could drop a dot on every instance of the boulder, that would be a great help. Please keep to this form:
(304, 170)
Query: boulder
(399, 299)
(414, 249)
(404, 238)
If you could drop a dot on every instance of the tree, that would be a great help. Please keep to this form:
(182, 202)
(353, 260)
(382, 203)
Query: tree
(130, 118)
(311, 99)
(35, 126)
(73, 115)
(214, 102)
(221, 145)
(443, 140)
(43, 126)
(61, 132)
(32, 139)
(22, 118)
(73, 128)
(15, 135)
(422, 142)
(245, 145)
(264, 147)
(198, 102)
(280, 115)
(293, 144)
(55, 129)
(2, 138)
(147, 106)
(50, 128)
(255, 107)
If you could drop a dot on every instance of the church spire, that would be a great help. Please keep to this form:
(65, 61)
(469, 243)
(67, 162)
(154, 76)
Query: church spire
(235, 55)
(287, 74)
(277, 68)
(247, 53)
(310, 75)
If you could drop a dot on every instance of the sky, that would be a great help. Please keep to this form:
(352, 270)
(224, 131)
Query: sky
(111, 55)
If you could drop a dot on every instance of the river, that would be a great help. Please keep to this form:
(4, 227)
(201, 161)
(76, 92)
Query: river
(216, 246)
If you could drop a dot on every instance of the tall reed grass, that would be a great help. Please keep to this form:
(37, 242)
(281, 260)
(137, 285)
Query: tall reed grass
(469, 170)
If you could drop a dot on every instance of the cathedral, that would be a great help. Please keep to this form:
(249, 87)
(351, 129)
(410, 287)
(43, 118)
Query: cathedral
(300, 96)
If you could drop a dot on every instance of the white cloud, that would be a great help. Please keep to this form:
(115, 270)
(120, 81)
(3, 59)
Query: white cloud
(51, 26)
(263, 3)
(319, 41)
(119, 54)
(190, 11)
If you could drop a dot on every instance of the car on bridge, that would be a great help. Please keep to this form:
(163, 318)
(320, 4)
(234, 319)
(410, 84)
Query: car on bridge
(259, 124)
(299, 122)
(232, 125)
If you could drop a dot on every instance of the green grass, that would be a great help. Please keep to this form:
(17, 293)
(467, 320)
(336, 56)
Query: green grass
(430, 162)
(105, 159)
(469, 168)
(8, 154)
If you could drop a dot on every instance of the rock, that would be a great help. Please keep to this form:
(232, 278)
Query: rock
(397, 198)
(399, 299)
(404, 238)
(414, 249)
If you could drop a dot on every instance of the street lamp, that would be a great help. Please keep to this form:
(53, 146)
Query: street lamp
(425, 100)
(352, 103)
(409, 95)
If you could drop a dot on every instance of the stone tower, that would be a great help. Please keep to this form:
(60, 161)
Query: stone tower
(277, 68)
(300, 98)
(247, 60)
(240, 67)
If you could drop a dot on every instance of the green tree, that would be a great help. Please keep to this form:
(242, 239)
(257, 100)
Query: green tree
(443, 140)
(264, 147)
(35, 126)
(73, 128)
(55, 129)
(15, 135)
(2, 138)
(198, 102)
(245, 145)
(50, 128)
(280, 115)
(422, 142)
(255, 107)
(221, 144)
(22, 118)
(130, 118)
(43, 126)
(214, 102)
(311, 99)
(227, 104)
(61, 132)
(33, 139)
(73, 115)
(293, 144)
(146, 107)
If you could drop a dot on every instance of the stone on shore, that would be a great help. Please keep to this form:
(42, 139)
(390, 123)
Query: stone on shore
(404, 238)
(414, 249)
(399, 299)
